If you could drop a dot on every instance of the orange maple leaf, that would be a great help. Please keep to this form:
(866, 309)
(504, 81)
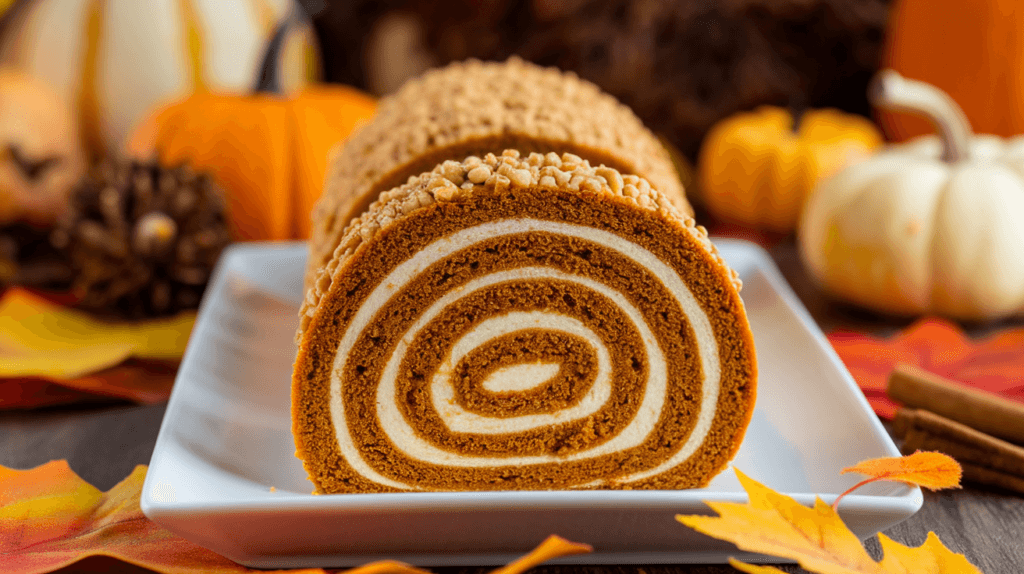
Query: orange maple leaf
(932, 470)
(993, 363)
(776, 525)
(50, 518)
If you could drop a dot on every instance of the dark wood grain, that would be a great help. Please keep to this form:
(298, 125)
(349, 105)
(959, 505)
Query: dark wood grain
(104, 442)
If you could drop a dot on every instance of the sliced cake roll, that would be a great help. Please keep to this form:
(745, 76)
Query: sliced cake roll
(522, 322)
(472, 108)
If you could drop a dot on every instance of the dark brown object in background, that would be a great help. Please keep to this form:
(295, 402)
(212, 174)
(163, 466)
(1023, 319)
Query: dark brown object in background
(985, 459)
(342, 30)
(980, 410)
(142, 240)
(28, 259)
(682, 65)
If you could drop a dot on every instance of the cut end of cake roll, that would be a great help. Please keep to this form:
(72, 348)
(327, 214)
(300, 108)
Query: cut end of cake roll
(511, 323)
(472, 108)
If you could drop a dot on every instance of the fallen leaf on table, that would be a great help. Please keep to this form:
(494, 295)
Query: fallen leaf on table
(144, 382)
(51, 518)
(776, 525)
(33, 331)
(993, 363)
(754, 568)
(34, 393)
(932, 470)
(553, 547)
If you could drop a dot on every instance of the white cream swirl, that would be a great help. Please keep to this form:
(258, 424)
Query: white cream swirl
(442, 390)
(404, 437)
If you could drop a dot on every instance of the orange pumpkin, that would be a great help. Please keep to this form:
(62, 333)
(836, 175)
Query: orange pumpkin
(972, 51)
(267, 151)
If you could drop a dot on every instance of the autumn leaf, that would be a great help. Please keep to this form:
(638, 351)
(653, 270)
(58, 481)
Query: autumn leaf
(993, 363)
(145, 382)
(51, 518)
(754, 568)
(135, 361)
(932, 470)
(776, 525)
(553, 547)
(33, 330)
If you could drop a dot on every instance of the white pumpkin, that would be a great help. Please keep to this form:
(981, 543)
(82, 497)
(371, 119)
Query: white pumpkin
(118, 59)
(935, 225)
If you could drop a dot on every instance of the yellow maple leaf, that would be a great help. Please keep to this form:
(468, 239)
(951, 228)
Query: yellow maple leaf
(776, 525)
(34, 330)
(51, 518)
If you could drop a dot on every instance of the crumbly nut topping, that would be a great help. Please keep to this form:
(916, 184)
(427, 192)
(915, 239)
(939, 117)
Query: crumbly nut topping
(472, 101)
(453, 180)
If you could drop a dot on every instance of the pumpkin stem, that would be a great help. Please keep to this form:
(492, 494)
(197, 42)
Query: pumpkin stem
(798, 118)
(269, 79)
(891, 91)
(797, 107)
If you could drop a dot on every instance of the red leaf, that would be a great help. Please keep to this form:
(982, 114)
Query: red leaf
(141, 381)
(994, 363)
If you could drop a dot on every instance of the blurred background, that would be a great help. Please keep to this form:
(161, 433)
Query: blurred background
(138, 139)
(681, 65)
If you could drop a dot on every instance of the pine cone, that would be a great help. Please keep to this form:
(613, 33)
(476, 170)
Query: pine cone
(142, 239)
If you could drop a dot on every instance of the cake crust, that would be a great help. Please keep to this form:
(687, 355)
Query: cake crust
(601, 290)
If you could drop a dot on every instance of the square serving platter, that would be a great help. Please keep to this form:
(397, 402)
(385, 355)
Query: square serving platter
(224, 475)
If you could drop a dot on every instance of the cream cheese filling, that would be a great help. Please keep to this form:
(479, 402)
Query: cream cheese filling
(405, 438)
(519, 378)
(457, 419)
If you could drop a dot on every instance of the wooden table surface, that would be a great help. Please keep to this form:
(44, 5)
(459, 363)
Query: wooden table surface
(104, 442)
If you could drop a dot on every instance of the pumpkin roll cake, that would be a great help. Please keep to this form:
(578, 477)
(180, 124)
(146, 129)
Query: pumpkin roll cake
(522, 322)
(472, 108)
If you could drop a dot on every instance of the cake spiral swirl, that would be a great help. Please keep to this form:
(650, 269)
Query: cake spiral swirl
(513, 322)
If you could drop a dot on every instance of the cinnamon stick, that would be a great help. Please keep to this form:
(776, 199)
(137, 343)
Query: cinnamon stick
(923, 430)
(980, 410)
(988, 477)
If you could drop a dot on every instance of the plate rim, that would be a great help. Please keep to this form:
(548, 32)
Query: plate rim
(900, 502)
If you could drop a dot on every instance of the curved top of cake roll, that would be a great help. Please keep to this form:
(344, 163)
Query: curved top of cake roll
(472, 108)
(453, 180)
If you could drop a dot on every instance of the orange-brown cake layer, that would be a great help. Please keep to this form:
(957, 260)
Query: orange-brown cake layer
(473, 108)
(522, 323)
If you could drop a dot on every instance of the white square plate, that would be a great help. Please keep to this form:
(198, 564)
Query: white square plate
(223, 473)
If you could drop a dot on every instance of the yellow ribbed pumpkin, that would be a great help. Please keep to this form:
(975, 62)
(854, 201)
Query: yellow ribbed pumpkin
(757, 168)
